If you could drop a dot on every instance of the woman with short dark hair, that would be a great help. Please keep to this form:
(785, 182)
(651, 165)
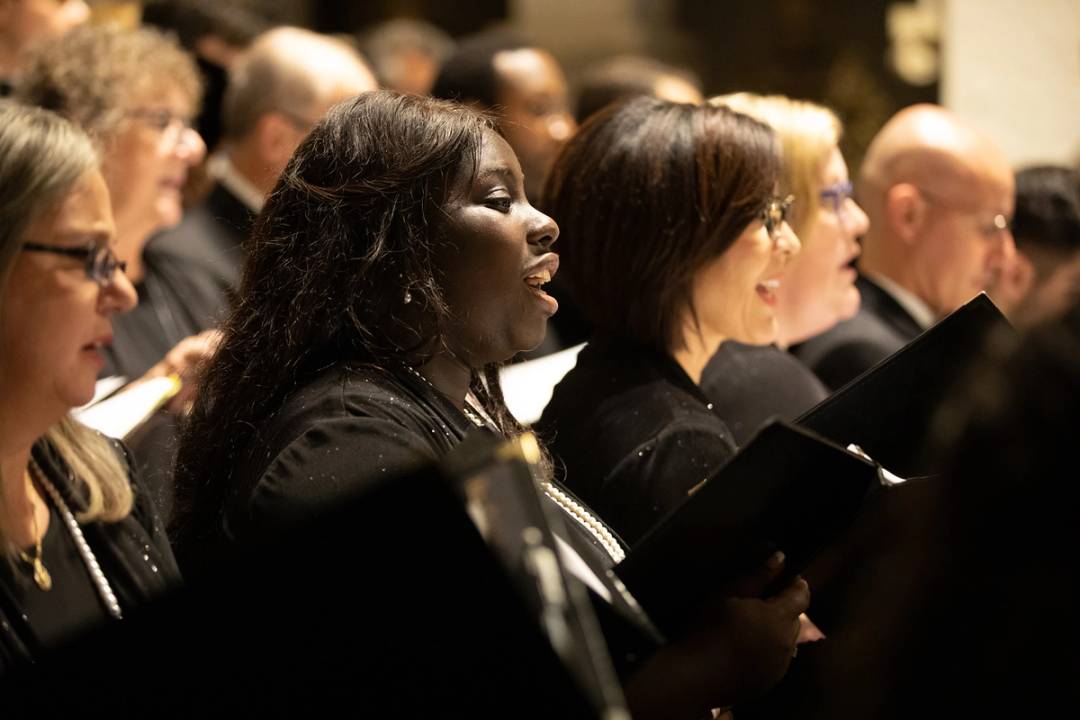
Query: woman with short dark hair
(673, 242)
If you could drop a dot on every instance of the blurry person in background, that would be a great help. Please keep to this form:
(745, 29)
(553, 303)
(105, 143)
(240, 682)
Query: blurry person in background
(406, 54)
(524, 87)
(215, 33)
(135, 93)
(80, 543)
(1042, 282)
(939, 195)
(751, 383)
(625, 76)
(278, 89)
(26, 22)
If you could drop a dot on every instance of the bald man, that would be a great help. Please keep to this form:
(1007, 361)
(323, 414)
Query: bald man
(939, 195)
(277, 90)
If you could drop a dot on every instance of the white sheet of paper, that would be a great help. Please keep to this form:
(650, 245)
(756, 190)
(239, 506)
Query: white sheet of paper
(127, 409)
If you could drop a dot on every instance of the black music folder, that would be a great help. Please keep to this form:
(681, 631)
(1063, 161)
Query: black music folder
(392, 605)
(888, 411)
(786, 490)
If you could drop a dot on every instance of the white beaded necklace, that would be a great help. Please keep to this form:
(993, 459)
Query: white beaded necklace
(583, 517)
(586, 519)
(101, 583)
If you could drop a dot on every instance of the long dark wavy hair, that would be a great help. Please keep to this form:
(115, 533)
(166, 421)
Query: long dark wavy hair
(351, 227)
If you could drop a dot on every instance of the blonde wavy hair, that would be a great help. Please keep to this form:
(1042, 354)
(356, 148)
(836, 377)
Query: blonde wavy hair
(42, 157)
(808, 135)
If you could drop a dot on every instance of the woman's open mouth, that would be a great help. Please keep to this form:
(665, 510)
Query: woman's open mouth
(766, 290)
(539, 275)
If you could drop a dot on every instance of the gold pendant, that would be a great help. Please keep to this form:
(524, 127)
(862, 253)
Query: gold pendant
(41, 575)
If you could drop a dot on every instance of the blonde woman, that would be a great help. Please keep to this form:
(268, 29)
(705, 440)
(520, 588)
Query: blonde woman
(78, 544)
(752, 383)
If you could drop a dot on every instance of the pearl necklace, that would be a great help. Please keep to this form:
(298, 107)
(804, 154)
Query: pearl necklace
(597, 529)
(101, 583)
(586, 519)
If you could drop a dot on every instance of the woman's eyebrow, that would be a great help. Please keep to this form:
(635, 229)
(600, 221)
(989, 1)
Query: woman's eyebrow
(501, 172)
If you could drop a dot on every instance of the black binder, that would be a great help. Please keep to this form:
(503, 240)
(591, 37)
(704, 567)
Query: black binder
(786, 490)
(392, 605)
(888, 410)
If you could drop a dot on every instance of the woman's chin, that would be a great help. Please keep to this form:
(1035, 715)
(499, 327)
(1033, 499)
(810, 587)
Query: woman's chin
(849, 304)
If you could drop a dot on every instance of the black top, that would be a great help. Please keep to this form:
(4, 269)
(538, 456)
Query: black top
(338, 435)
(751, 383)
(175, 301)
(880, 328)
(133, 553)
(72, 604)
(212, 238)
(192, 271)
(633, 433)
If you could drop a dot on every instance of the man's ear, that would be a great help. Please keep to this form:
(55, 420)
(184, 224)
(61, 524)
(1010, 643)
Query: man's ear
(905, 211)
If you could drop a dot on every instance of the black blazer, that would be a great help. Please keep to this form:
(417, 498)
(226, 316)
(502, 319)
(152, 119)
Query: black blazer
(881, 327)
(213, 236)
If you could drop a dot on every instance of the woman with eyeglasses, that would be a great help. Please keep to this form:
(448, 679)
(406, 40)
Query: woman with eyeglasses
(674, 241)
(751, 383)
(79, 544)
(135, 93)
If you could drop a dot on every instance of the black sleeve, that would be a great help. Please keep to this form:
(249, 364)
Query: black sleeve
(657, 475)
(329, 462)
(145, 513)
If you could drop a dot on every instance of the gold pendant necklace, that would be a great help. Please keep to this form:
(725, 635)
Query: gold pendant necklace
(41, 574)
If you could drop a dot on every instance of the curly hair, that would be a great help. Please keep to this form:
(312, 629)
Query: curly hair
(354, 221)
(91, 75)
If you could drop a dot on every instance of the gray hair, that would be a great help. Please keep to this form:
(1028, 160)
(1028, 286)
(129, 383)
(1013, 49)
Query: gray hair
(42, 157)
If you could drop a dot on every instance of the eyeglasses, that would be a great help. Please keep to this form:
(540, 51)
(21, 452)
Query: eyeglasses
(836, 196)
(168, 124)
(100, 262)
(775, 214)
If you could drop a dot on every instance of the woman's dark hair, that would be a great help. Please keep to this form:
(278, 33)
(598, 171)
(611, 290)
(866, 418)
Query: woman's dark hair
(350, 228)
(645, 194)
(1047, 213)
(468, 75)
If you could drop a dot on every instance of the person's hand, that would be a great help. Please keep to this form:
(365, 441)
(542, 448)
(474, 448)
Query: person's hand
(185, 360)
(737, 646)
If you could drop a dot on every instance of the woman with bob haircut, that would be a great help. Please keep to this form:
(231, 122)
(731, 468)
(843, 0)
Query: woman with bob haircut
(396, 264)
(79, 544)
(673, 242)
(753, 383)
